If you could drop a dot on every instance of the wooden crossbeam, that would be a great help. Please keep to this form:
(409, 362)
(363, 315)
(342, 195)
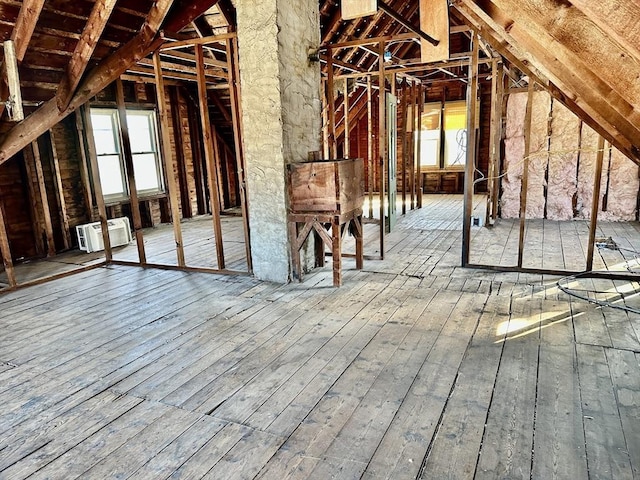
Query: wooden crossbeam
(21, 36)
(578, 85)
(145, 42)
(84, 49)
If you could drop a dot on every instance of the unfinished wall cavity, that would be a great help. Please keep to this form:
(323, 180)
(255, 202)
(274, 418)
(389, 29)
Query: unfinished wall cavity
(562, 165)
(280, 115)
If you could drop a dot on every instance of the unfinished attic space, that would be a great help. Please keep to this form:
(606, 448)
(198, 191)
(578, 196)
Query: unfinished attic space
(319, 239)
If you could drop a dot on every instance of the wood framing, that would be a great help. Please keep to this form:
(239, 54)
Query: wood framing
(382, 144)
(84, 49)
(105, 73)
(209, 155)
(5, 249)
(44, 199)
(62, 203)
(469, 171)
(167, 160)
(130, 172)
(12, 80)
(525, 172)
(597, 185)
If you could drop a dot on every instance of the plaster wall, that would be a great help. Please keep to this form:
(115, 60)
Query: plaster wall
(280, 116)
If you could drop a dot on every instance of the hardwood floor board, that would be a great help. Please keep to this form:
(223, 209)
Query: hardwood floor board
(454, 449)
(195, 337)
(196, 466)
(508, 432)
(247, 457)
(332, 410)
(394, 420)
(314, 347)
(282, 412)
(607, 455)
(274, 321)
(558, 450)
(351, 449)
(37, 444)
(134, 453)
(623, 366)
(177, 453)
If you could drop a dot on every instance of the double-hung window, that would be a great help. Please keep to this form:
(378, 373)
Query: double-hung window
(443, 135)
(144, 147)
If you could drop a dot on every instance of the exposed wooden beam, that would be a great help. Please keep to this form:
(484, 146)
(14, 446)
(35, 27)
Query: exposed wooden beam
(12, 81)
(21, 36)
(228, 11)
(563, 73)
(470, 166)
(84, 49)
(167, 161)
(145, 42)
(406, 23)
(25, 25)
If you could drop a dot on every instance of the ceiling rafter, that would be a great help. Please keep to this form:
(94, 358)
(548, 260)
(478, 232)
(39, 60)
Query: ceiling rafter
(92, 32)
(183, 12)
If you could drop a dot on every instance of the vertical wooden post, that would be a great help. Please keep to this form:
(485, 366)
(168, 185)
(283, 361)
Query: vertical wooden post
(593, 223)
(418, 152)
(209, 155)
(525, 172)
(51, 246)
(406, 119)
(131, 177)
(97, 186)
(196, 150)
(331, 104)
(6, 249)
(472, 101)
(325, 120)
(412, 164)
(185, 200)
(493, 187)
(234, 92)
(167, 159)
(370, 160)
(62, 204)
(84, 169)
(347, 143)
(382, 142)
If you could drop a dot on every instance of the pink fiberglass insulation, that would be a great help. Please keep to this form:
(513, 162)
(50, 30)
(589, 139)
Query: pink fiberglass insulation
(563, 163)
(538, 154)
(622, 192)
(587, 171)
(513, 155)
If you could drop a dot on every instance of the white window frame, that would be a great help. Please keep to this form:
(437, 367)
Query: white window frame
(112, 113)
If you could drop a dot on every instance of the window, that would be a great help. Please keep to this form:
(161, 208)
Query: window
(443, 135)
(144, 149)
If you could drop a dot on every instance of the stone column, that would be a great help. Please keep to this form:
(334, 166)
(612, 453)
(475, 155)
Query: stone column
(281, 115)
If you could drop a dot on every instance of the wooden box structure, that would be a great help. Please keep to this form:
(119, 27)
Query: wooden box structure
(326, 196)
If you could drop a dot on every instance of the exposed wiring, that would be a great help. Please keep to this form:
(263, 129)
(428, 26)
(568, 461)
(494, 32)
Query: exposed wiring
(604, 244)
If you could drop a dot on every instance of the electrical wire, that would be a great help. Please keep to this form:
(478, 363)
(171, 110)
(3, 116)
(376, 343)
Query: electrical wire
(607, 244)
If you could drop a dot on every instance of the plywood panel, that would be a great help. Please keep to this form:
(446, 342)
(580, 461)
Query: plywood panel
(358, 8)
(434, 21)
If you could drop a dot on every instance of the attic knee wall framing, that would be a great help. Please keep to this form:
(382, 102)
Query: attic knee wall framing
(562, 165)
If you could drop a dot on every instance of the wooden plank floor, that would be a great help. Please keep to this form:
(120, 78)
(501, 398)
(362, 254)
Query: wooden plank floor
(414, 368)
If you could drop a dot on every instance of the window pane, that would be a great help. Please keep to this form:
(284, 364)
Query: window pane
(140, 132)
(145, 169)
(431, 116)
(455, 147)
(110, 175)
(455, 116)
(103, 132)
(429, 141)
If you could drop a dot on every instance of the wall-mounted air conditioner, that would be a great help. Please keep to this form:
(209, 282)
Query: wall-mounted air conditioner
(90, 234)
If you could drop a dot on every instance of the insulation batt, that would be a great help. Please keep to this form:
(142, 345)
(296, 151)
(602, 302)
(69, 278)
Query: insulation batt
(538, 154)
(623, 189)
(513, 155)
(563, 163)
